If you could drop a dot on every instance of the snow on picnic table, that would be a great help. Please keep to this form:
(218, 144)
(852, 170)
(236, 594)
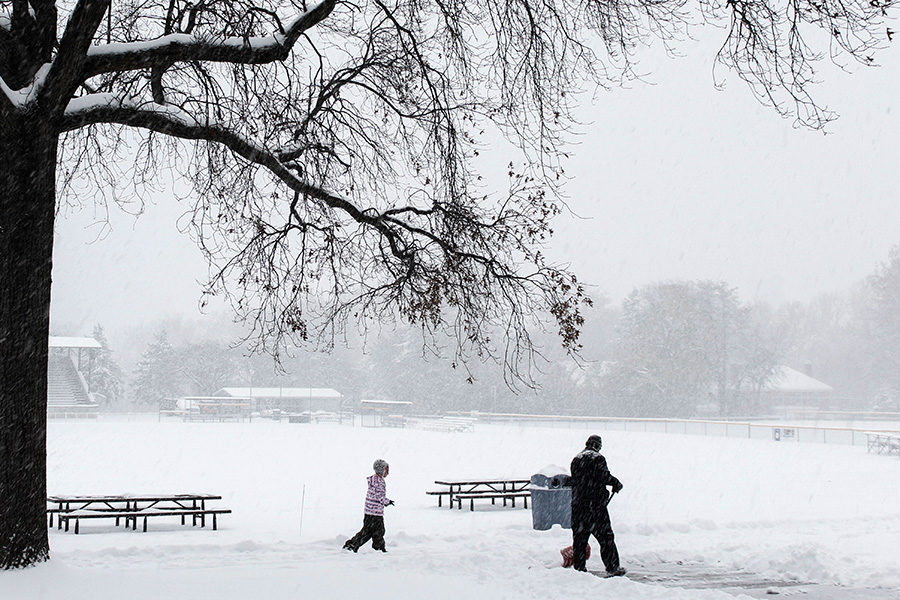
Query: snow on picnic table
(818, 513)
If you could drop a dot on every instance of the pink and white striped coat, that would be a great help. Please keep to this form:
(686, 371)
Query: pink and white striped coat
(376, 496)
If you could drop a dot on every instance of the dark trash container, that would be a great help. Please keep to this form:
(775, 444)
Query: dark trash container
(551, 501)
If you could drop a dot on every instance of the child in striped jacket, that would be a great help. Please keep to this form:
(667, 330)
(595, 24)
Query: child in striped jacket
(373, 519)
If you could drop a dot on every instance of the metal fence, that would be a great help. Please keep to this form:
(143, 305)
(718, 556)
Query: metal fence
(781, 432)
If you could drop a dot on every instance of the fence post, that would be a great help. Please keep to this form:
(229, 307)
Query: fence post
(748, 431)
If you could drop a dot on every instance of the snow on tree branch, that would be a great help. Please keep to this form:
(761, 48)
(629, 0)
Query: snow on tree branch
(170, 120)
(185, 47)
(173, 121)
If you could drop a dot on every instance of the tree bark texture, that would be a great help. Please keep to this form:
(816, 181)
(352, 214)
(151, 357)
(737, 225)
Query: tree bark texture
(27, 210)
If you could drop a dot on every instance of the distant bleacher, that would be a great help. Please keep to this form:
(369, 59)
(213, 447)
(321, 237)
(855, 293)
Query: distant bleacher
(68, 394)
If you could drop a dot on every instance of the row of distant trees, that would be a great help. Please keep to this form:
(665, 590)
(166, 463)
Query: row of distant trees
(679, 345)
(669, 348)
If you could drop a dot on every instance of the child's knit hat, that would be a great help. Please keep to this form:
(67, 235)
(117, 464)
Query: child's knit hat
(380, 466)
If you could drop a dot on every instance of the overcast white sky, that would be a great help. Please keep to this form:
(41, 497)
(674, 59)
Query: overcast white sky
(683, 181)
(674, 179)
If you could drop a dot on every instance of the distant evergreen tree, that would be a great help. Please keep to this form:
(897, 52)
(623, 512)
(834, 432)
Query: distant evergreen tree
(158, 373)
(105, 373)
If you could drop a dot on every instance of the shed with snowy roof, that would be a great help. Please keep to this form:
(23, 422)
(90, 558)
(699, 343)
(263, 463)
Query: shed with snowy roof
(790, 387)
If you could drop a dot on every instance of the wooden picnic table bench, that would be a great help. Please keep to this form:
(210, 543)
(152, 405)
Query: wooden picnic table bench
(132, 507)
(493, 489)
(458, 498)
(131, 517)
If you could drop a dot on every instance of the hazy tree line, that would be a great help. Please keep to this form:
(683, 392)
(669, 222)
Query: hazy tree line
(671, 348)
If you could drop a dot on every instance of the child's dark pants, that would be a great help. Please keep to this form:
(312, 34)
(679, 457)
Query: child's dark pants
(372, 529)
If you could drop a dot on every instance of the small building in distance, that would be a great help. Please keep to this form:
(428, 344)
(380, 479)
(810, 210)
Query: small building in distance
(790, 389)
(288, 400)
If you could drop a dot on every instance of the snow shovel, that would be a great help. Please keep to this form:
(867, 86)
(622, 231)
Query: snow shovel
(568, 555)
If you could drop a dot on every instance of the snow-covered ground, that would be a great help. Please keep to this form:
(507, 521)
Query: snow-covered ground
(810, 512)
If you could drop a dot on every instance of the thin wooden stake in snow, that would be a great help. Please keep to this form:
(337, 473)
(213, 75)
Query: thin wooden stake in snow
(302, 501)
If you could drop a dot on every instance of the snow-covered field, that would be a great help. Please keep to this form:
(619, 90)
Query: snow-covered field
(811, 512)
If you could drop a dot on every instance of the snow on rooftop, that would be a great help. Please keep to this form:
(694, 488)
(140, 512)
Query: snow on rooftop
(787, 379)
(387, 402)
(276, 392)
(73, 342)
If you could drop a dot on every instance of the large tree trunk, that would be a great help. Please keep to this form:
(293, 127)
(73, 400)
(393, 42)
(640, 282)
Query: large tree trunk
(27, 209)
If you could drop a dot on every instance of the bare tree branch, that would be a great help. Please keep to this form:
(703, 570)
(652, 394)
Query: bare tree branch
(186, 47)
(169, 120)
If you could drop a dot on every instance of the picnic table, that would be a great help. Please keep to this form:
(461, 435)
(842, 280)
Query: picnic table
(881, 442)
(131, 508)
(477, 489)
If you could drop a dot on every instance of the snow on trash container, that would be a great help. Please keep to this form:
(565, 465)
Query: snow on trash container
(551, 499)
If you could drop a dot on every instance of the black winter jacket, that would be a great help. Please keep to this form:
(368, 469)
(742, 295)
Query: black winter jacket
(589, 479)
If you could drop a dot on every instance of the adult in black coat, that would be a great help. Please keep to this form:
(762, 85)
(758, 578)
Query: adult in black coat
(589, 480)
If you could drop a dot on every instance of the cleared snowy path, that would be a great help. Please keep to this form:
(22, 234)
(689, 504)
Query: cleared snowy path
(740, 582)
